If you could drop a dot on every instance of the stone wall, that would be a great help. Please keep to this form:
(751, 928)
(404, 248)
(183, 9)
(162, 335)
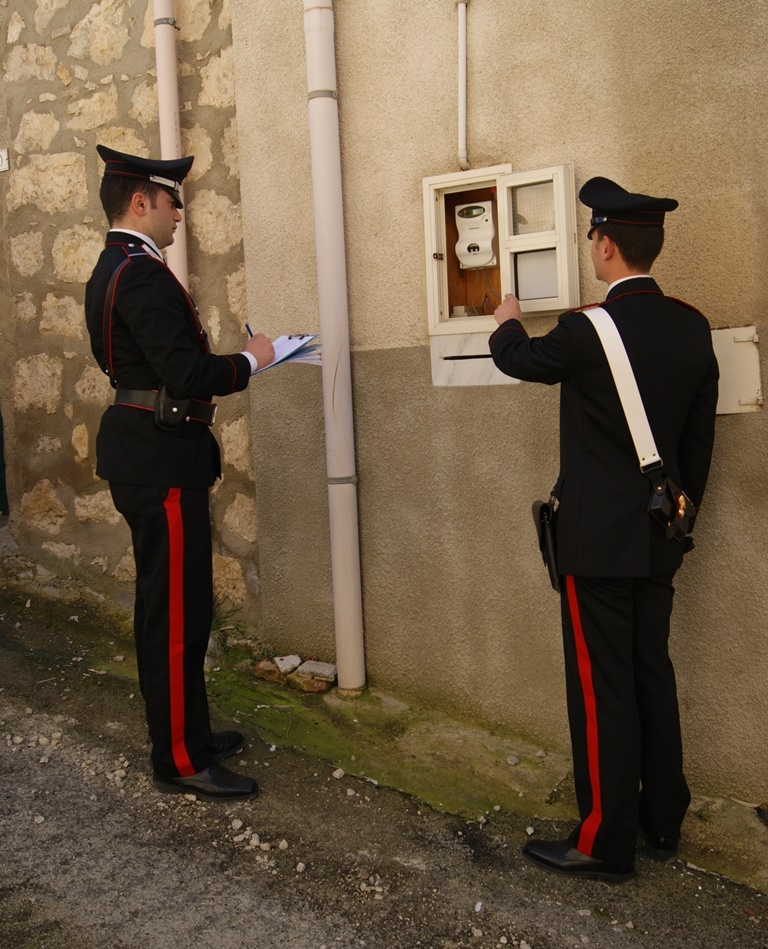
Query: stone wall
(74, 74)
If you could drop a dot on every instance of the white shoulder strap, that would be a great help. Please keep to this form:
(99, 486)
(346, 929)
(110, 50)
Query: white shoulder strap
(626, 385)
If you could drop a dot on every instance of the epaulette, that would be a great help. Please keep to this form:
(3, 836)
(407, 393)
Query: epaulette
(580, 309)
(688, 306)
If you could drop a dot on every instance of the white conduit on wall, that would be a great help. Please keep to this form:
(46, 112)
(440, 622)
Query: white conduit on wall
(463, 159)
(170, 125)
(334, 334)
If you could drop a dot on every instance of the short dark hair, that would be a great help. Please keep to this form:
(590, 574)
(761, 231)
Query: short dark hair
(638, 246)
(116, 192)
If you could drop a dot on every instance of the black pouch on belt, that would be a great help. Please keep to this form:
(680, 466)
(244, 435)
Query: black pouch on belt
(170, 413)
(670, 506)
(544, 521)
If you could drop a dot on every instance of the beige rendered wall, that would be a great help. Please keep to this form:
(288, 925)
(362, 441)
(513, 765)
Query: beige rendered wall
(74, 74)
(664, 98)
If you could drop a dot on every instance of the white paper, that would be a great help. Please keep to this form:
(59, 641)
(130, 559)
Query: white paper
(298, 347)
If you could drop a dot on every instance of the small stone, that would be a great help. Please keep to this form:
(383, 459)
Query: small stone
(629, 925)
(236, 824)
(287, 664)
(39, 819)
(283, 845)
(267, 669)
(338, 773)
(318, 670)
(350, 792)
(530, 831)
(503, 940)
(300, 868)
(513, 760)
(585, 912)
(477, 933)
(304, 683)
(265, 846)
(478, 906)
(497, 808)
(541, 754)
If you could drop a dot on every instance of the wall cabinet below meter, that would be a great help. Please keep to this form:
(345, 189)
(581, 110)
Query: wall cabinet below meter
(489, 232)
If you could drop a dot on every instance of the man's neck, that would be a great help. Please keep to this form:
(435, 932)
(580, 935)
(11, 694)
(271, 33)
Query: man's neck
(629, 276)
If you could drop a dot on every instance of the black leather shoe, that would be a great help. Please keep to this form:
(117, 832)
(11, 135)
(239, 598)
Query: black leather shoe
(559, 856)
(216, 783)
(224, 744)
(661, 849)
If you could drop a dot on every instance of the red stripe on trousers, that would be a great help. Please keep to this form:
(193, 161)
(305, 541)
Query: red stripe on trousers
(172, 506)
(590, 825)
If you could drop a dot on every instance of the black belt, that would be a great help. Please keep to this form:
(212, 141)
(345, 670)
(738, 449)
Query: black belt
(197, 411)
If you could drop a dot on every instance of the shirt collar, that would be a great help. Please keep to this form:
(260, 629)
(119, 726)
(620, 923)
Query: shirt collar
(634, 276)
(148, 243)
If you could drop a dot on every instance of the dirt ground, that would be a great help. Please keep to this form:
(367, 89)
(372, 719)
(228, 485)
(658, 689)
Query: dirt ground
(93, 856)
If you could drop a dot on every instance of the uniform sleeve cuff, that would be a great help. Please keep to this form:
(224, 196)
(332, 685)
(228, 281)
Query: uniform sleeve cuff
(252, 360)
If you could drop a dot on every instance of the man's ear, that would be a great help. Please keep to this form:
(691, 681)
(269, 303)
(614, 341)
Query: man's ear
(139, 203)
(607, 248)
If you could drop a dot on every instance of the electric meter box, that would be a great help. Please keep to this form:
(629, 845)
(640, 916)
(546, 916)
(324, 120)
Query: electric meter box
(474, 248)
(489, 232)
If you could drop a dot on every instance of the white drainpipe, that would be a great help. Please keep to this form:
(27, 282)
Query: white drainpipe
(463, 159)
(170, 125)
(334, 334)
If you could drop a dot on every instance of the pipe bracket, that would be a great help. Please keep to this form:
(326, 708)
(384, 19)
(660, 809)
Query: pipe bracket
(349, 479)
(167, 21)
(323, 93)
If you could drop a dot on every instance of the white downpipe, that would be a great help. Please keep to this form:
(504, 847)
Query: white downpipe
(170, 126)
(334, 333)
(463, 159)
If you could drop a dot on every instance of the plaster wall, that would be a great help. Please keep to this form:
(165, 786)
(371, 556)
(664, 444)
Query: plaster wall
(664, 98)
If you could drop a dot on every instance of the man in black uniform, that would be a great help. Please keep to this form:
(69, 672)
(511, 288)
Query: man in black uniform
(615, 562)
(156, 449)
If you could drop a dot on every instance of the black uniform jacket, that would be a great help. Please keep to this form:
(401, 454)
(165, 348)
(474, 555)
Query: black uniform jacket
(603, 528)
(151, 336)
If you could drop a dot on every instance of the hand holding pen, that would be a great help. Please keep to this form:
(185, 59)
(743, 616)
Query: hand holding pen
(260, 347)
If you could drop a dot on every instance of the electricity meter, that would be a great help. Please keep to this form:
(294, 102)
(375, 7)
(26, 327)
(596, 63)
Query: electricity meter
(474, 248)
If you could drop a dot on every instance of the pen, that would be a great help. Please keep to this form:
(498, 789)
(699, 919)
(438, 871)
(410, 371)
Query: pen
(250, 332)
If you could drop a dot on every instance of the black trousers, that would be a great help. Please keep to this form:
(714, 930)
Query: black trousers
(623, 712)
(173, 609)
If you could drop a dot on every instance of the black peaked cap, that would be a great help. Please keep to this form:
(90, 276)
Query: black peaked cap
(168, 174)
(612, 204)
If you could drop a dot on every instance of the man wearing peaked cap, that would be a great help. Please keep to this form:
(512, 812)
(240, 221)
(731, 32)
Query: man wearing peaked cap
(616, 564)
(156, 449)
